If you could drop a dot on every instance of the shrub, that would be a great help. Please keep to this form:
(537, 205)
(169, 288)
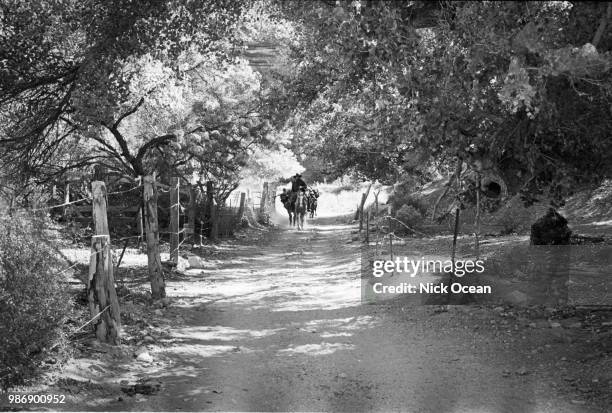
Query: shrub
(399, 199)
(410, 216)
(33, 305)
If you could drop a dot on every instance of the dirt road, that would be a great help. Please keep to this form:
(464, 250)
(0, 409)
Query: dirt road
(280, 327)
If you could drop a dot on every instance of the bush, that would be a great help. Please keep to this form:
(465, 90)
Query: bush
(399, 199)
(410, 216)
(33, 305)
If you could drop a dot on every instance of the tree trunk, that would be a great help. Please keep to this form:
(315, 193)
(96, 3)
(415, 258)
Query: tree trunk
(601, 29)
(477, 220)
(156, 273)
(447, 187)
(364, 197)
(101, 293)
(174, 220)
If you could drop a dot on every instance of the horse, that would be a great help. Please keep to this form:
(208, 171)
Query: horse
(288, 207)
(299, 210)
(312, 205)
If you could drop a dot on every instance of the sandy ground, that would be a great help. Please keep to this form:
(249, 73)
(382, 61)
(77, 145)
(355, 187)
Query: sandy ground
(278, 325)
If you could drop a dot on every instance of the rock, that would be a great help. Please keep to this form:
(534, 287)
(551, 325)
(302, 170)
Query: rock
(522, 371)
(159, 312)
(579, 402)
(145, 357)
(606, 324)
(550, 229)
(149, 340)
(342, 375)
(498, 309)
(517, 298)
(165, 301)
(554, 324)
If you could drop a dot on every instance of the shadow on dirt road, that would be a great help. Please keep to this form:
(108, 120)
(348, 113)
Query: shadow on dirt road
(279, 326)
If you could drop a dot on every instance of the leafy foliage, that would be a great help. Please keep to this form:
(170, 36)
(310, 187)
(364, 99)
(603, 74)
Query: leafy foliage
(33, 303)
(407, 86)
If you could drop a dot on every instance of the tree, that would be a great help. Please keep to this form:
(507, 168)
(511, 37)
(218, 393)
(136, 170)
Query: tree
(402, 86)
(65, 71)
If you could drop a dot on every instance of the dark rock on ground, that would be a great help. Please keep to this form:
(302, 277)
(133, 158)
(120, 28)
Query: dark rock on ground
(551, 229)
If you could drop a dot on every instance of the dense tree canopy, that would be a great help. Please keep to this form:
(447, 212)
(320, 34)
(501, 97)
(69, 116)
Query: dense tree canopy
(73, 71)
(395, 87)
(378, 88)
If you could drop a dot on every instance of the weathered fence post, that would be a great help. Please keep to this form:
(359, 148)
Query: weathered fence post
(264, 199)
(66, 200)
(139, 224)
(191, 218)
(272, 195)
(174, 220)
(209, 206)
(477, 218)
(101, 293)
(156, 273)
(214, 217)
(241, 207)
(367, 237)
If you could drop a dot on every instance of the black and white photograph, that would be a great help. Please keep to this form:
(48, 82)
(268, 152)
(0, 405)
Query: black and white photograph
(306, 206)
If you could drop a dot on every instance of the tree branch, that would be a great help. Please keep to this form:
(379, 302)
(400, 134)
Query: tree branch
(128, 113)
(602, 25)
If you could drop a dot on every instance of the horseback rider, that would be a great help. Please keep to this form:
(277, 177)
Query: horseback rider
(297, 184)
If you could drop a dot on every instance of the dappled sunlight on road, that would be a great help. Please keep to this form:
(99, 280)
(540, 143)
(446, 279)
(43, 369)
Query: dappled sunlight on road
(316, 349)
(221, 333)
(202, 350)
(302, 271)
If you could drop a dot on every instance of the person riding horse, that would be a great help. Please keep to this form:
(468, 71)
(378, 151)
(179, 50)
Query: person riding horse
(297, 184)
(311, 200)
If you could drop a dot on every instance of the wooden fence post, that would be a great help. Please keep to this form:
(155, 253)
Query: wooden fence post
(367, 237)
(264, 199)
(214, 217)
(156, 273)
(272, 195)
(66, 200)
(241, 207)
(139, 224)
(210, 201)
(191, 215)
(174, 220)
(101, 292)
